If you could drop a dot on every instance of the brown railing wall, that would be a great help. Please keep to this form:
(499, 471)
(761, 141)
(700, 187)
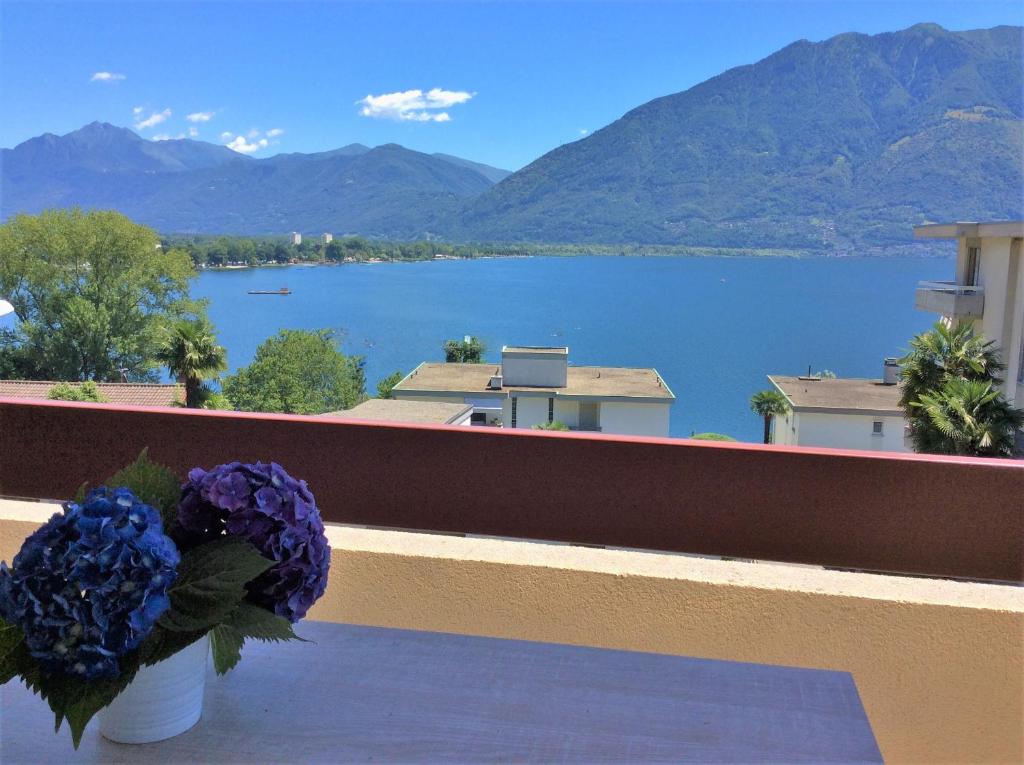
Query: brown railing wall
(949, 517)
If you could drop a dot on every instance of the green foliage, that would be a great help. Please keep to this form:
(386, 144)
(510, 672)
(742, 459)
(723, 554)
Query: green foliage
(211, 399)
(86, 391)
(465, 351)
(950, 397)
(211, 582)
(189, 350)
(386, 385)
(91, 292)
(226, 646)
(768, 404)
(553, 425)
(711, 437)
(246, 621)
(298, 372)
(154, 484)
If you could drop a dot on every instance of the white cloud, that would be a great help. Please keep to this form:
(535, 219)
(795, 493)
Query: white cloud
(584, 131)
(192, 132)
(226, 136)
(199, 116)
(413, 105)
(274, 132)
(106, 77)
(243, 146)
(153, 120)
(138, 110)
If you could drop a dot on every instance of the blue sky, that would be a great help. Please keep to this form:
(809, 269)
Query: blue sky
(500, 83)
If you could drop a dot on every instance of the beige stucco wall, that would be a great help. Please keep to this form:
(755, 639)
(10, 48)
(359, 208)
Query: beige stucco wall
(939, 665)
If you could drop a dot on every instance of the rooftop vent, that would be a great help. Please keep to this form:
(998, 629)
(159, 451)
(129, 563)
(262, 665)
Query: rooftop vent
(495, 382)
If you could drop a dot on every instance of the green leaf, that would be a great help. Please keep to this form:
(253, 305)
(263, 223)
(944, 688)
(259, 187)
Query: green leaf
(260, 624)
(154, 484)
(11, 640)
(162, 644)
(211, 583)
(226, 643)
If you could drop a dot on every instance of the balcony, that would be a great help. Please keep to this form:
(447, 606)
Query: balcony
(950, 299)
(903, 579)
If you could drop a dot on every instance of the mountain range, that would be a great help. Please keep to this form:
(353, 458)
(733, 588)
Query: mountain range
(840, 145)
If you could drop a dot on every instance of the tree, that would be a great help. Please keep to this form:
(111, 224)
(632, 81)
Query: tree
(87, 391)
(768, 404)
(553, 425)
(385, 386)
(469, 350)
(91, 292)
(944, 415)
(969, 417)
(298, 372)
(189, 350)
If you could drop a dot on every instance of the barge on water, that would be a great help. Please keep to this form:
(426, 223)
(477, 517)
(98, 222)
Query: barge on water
(282, 291)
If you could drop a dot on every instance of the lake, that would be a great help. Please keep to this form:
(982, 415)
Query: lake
(713, 327)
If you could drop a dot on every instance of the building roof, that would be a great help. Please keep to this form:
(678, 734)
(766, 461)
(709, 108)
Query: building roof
(1001, 228)
(130, 394)
(544, 349)
(582, 382)
(849, 395)
(394, 410)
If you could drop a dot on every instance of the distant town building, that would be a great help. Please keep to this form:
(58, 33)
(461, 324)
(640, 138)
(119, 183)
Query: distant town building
(296, 238)
(842, 413)
(395, 410)
(130, 394)
(535, 385)
(987, 289)
(327, 238)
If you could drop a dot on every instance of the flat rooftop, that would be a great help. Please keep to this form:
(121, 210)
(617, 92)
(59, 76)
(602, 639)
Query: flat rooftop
(606, 382)
(546, 349)
(999, 228)
(840, 395)
(394, 410)
(129, 394)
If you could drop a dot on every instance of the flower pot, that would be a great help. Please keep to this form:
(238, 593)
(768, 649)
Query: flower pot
(162, 701)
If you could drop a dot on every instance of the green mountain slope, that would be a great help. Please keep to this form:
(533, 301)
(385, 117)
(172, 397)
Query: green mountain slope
(832, 145)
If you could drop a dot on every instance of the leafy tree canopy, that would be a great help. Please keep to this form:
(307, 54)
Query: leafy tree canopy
(385, 386)
(468, 350)
(711, 437)
(87, 391)
(553, 425)
(189, 350)
(298, 372)
(91, 292)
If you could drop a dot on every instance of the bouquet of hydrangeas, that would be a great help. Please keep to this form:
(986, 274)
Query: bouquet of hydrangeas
(126, 577)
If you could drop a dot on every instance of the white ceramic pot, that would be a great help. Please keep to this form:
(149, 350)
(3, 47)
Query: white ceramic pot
(162, 701)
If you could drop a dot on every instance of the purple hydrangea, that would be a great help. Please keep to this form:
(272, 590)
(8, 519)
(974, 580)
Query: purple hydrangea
(89, 584)
(267, 507)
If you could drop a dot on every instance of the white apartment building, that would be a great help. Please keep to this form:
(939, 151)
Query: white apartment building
(327, 238)
(296, 238)
(842, 413)
(535, 385)
(987, 289)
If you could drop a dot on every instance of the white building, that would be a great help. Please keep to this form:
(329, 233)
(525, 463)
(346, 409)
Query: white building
(535, 385)
(842, 413)
(987, 289)
(296, 238)
(423, 412)
(327, 238)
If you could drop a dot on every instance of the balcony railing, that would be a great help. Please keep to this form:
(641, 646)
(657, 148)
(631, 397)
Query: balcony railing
(911, 643)
(950, 299)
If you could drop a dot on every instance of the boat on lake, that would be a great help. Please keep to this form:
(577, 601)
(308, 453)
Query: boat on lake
(282, 291)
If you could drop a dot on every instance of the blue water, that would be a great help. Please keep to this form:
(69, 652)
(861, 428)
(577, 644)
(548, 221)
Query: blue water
(713, 327)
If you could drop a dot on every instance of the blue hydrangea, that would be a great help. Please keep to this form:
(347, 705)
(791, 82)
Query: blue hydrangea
(277, 514)
(89, 585)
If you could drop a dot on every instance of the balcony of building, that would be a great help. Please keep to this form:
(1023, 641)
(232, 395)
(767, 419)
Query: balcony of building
(950, 299)
(903, 570)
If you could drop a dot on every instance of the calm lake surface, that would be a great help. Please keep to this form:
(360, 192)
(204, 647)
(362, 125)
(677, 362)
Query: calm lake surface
(713, 327)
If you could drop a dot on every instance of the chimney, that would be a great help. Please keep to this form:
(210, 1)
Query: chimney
(890, 371)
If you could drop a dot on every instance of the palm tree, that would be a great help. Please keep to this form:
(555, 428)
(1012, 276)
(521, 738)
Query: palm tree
(970, 417)
(190, 352)
(944, 353)
(768, 404)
